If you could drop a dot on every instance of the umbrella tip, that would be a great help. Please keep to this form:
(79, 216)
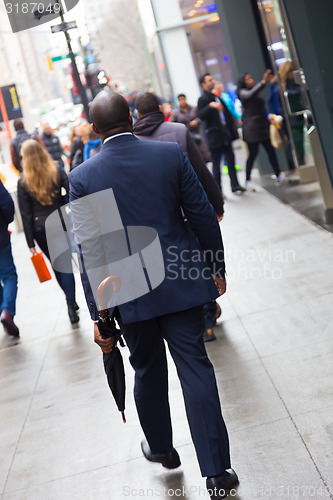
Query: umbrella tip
(123, 415)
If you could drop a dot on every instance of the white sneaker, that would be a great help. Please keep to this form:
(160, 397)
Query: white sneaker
(282, 177)
(250, 186)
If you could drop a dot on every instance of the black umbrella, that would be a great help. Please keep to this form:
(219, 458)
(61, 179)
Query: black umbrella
(113, 362)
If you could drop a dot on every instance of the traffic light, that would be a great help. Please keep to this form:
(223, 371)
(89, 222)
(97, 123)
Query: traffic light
(102, 78)
(96, 79)
(49, 63)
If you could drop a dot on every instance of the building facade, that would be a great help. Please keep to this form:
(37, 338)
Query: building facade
(229, 37)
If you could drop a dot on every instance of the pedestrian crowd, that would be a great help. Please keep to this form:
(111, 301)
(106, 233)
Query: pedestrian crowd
(155, 160)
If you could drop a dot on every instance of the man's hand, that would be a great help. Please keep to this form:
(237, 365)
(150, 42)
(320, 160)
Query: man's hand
(193, 123)
(105, 344)
(220, 284)
(216, 105)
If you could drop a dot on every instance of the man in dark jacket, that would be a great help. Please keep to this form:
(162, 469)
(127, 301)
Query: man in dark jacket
(151, 125)
(8, 276)
(188, 115)
(149, 184)
(52, 144)
(220, 130)
(16, 144)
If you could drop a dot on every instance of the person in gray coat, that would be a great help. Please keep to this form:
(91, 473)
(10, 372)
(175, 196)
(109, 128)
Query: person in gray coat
(151, 125)
(256, 123)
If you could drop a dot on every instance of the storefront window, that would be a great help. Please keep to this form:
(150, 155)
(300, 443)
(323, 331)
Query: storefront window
(279, 45)
(197, 8)
(209, 50)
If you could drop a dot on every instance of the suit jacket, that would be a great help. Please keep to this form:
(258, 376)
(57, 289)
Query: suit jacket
(152, 183)
(217, 134)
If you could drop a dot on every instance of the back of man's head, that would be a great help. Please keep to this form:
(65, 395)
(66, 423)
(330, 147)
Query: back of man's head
(18, 124)
(110, 111)
(147, 103)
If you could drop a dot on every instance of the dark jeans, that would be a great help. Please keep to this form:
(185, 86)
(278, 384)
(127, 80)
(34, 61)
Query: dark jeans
(253, 151)
(65, 280)
(227, 153)
(8, 277)
(183, 334)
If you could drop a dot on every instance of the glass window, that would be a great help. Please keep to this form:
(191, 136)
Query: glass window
(196, 8)
(209, 50)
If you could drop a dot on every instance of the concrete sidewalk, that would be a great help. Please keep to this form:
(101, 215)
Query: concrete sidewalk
(62, 437)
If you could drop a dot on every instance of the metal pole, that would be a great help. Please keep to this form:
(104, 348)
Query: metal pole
(76, 74)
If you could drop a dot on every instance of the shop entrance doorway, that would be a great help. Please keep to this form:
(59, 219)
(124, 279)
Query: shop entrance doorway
(292, 89)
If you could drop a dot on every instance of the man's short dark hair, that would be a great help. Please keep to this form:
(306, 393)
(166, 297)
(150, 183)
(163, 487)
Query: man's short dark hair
(147, 103)
(181, 95)
(18, 124)
(202, 78)
(109, 111)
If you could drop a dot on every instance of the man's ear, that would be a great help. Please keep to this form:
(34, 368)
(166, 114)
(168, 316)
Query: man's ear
(139, 115)
(160, 108)
(95, 129)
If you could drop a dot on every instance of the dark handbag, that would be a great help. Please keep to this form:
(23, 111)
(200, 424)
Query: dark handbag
(78, 159)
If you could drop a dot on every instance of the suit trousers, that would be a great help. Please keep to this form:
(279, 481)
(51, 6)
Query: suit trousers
(183, 333)
(228, 155)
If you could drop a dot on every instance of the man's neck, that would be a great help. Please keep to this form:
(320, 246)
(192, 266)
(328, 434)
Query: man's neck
(116, 131)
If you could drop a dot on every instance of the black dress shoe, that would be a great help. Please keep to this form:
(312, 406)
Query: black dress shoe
(238, 189)
(73, 316)
(169, 460)
(219, 486)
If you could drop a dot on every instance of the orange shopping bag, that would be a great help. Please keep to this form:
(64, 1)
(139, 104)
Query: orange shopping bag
(41, 268)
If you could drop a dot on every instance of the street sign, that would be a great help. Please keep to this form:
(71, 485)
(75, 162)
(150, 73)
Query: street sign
(61, 58)
(11, 103)
(64, 27)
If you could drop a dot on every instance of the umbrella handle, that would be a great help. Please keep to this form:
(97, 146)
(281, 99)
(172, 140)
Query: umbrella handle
(123, 415)
(100, 289)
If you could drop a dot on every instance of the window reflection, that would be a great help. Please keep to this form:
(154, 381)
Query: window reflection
(197, 8)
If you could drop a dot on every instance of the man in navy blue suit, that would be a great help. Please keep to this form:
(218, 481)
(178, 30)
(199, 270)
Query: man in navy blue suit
(153, 185)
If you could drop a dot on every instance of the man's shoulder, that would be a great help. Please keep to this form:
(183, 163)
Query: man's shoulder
(205, 97)
(81, 170)
(159, 142)
(172, 126)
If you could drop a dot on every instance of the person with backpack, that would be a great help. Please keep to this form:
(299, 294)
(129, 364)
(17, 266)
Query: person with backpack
(16, 144)
(52, 144)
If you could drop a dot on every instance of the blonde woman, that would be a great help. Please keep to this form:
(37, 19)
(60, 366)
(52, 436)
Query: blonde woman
(286, 73)
(39, 194)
